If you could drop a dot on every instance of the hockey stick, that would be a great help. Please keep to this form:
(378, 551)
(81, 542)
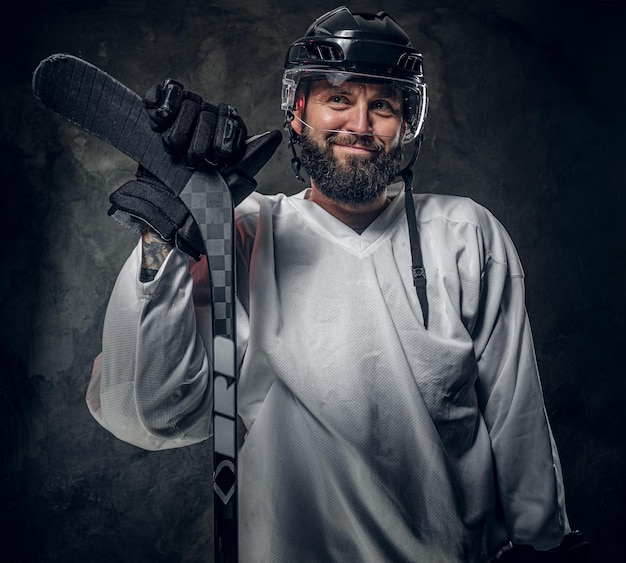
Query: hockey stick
(209, 199)
(99, 104)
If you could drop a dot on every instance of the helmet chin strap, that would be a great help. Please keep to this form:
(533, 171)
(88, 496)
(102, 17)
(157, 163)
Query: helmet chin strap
(294, 139)
(417, 263)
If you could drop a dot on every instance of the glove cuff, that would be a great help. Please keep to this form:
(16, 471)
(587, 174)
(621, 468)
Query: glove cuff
(152, 203)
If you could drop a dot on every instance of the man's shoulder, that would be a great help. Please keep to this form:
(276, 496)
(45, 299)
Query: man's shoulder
(456, 213)
(454, 208)
(459, 212)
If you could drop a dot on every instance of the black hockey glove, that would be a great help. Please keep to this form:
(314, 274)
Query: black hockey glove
(148, 200)
(573, 549)
(201, 135)
(192, 129)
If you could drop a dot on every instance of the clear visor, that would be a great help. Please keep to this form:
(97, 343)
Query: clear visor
(410, 94)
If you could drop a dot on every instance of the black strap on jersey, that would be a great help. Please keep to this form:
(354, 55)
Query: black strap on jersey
(417, 263)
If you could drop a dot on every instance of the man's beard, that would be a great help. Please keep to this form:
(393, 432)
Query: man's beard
(355, 181)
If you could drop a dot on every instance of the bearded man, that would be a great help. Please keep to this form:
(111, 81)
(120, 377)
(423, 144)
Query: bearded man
(388, 382)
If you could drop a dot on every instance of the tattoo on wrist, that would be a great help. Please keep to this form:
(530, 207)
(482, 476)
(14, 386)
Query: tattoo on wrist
(155, 251)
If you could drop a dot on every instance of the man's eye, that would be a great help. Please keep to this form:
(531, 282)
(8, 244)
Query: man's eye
(382, 105)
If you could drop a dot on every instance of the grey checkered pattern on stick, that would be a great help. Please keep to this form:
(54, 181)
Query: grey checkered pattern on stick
(208, 198)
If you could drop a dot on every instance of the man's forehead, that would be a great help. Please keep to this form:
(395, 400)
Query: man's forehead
(378, 88)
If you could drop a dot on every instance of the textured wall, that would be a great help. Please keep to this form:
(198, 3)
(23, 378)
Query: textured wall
(526, 117)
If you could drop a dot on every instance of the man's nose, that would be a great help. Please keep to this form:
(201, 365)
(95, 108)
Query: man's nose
(359, 119)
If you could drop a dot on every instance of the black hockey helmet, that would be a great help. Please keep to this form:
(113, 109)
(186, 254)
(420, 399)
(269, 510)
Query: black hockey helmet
(343, 45)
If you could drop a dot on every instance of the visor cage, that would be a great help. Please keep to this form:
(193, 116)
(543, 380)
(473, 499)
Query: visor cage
(414, 99)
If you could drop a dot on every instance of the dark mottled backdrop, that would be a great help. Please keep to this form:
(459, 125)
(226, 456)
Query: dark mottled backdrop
(527, 117)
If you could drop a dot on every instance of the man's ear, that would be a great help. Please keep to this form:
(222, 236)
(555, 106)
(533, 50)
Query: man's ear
(298, 111)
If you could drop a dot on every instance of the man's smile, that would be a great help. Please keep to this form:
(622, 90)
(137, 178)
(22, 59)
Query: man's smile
(354, 146)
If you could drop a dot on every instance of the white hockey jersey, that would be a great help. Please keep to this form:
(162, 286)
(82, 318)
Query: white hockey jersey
(370, 439)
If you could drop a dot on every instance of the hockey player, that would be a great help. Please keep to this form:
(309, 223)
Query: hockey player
(388, 381)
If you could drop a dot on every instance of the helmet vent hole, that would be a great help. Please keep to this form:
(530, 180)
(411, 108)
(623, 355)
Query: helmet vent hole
(409, 61)
(324, 52)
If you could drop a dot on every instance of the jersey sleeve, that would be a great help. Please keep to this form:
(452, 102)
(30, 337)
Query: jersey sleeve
(151, 384)
(527, 466)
